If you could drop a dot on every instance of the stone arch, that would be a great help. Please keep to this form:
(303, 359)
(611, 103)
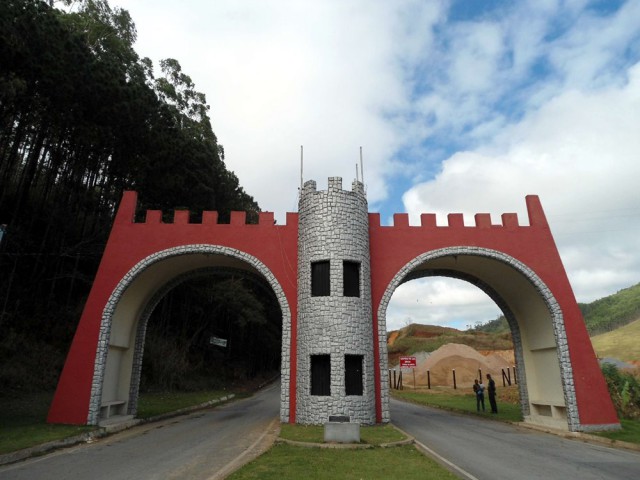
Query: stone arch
(532, 343)
(132, 302)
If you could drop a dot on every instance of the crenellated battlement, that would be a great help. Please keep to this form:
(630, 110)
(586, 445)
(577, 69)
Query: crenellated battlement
(536, 216)
(482, 220)
(128, 206)
(334, 186)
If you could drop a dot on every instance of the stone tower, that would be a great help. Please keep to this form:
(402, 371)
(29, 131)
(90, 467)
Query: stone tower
(335, 338)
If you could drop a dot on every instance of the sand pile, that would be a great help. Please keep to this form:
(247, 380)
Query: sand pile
(465, 360)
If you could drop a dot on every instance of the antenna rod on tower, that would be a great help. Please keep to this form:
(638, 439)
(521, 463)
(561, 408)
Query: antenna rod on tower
(361, 167)
(357, 179)
(301, 165)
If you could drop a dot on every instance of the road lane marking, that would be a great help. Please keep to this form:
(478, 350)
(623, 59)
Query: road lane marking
(439, 458)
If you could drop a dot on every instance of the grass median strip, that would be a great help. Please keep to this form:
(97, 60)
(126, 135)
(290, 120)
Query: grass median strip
(284, 462)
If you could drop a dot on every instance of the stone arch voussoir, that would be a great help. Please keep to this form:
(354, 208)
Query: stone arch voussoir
(407, 272)
(130, 277)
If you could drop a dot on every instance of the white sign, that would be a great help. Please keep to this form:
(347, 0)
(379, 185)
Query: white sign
(220, 342)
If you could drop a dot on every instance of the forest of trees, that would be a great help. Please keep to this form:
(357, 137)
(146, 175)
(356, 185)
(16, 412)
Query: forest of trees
(613, 311)
(82, 118)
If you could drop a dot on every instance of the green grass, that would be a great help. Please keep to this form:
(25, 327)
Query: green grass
(284, 462)
(466, 403)
(630, 432)
(23, 423)
(372, 435)
(154, 404)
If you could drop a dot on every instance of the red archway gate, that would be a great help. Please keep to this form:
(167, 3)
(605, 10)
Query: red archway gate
(518, 266)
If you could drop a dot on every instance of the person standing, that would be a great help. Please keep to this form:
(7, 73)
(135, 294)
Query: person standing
(478, 388)
(491, 389)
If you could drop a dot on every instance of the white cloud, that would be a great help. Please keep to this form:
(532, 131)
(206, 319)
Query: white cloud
(439, 301)
(589, 52)
(579, 153)
(478, 50)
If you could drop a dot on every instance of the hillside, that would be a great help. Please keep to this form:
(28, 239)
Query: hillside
(621, 343)
(611, 312)
(428, 338)
(602, 315)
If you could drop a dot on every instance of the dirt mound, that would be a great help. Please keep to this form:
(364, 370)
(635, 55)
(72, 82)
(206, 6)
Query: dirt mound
(505, 355)
(466, 362)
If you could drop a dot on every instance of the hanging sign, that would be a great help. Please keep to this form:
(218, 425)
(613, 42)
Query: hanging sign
(220, 342)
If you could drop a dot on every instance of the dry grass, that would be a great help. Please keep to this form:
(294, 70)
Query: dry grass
(621, 343)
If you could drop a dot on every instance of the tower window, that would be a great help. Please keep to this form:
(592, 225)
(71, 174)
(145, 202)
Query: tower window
(351, 279)
(320, 375)
(353, 374)
(320, 279)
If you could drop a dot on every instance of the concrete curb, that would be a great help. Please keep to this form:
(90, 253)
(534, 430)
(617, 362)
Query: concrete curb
(582, 437)
(186, 410)
(102, 431)
(339, 446)
(350, 446)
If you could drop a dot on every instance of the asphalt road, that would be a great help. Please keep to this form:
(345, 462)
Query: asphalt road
(203, 445)
(209, 444)
(484, 449)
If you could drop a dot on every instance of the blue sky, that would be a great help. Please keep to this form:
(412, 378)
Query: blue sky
(460, 107)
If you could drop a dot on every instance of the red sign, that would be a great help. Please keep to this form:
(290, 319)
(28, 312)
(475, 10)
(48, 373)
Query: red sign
(407, 362)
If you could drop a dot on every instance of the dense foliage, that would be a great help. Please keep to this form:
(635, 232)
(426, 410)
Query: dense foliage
(611, 312)
(624, 388)
(499, 325)
(83, 118)
(179, 354)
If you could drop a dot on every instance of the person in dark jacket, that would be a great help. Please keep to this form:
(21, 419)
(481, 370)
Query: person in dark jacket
(491, 389)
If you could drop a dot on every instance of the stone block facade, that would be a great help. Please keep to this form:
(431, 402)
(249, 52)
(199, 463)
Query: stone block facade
(334, 227)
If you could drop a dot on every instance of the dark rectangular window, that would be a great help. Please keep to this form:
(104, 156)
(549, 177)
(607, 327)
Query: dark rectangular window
(320, 279)
(351, 272)
(353, 374)
(320, 375)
